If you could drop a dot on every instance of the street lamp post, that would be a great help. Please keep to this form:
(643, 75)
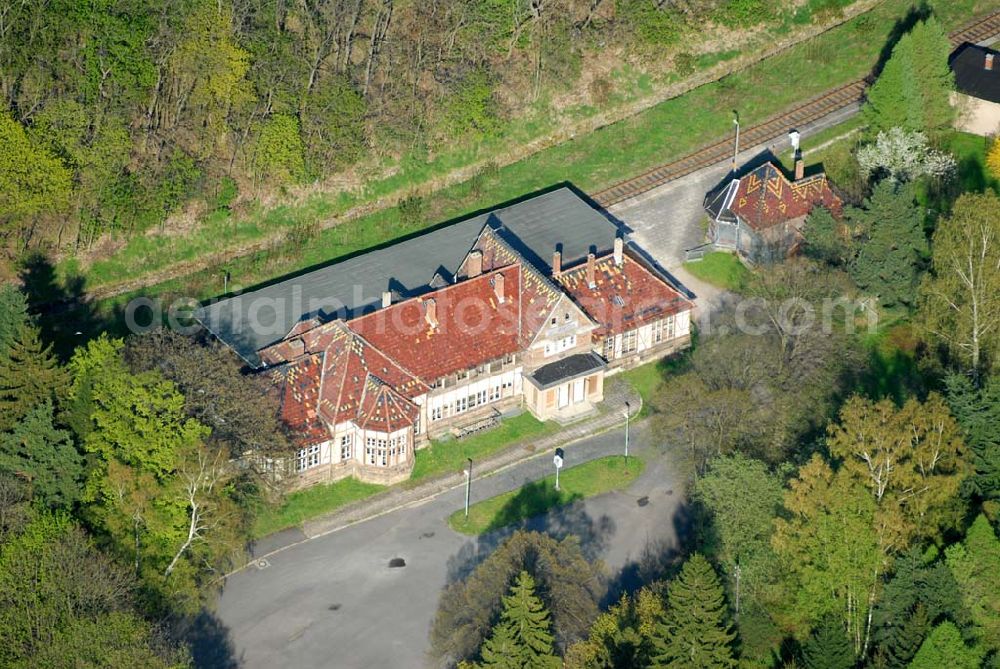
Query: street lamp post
(468, 487)
(736, 148)
(627, 408)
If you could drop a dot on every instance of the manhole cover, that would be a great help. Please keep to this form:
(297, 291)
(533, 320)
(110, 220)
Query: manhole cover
(262, 564)
(642, 501)
(426, 535)
(396, 563)
(670, 492)
(334, 607)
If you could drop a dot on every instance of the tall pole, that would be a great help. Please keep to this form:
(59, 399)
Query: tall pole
(627, 408)
(557, 478)
(736, 147)
(468, 487)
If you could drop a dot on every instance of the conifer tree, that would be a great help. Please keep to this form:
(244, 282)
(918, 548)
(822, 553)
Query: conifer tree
(29, 375)
(904, 638)
(893, 248)
(978, 413)
(828, 647)
(695, 630)
(522, 639)
(43, 455)
(975, 564)
(13, 315)
(912, 90)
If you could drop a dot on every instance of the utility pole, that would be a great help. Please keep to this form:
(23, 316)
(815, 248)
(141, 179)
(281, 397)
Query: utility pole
(627, 408)
(468, 487)
(736, 148)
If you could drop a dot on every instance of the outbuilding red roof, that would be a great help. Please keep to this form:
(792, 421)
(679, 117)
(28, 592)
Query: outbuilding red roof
(766, 197)
(624, 296)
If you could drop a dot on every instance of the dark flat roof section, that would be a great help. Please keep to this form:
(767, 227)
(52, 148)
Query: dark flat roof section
(535, 227)
(566, 369)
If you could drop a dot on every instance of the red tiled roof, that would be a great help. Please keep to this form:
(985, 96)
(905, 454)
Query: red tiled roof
(765, 197)
(537, 296)
(383, 409)
(298, 384)
(624, 297)
(473, 326)
(349, 365)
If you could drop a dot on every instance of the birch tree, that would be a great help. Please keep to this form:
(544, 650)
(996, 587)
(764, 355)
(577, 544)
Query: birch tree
(832, 555)
(911, 460)
(961, 296)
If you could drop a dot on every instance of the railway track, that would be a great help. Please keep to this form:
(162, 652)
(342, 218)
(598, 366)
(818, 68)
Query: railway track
(772, 127)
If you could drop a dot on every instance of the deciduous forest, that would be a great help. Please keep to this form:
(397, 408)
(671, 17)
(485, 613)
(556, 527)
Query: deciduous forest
(117, 114)
(842, 485)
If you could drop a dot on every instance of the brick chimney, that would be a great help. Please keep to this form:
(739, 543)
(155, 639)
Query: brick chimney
(989, 61)
(296, 347)
(557, 263)
(386, 298)
(619, 251)
(800, 168)
(591, 270)
(475, 267)
(498, 285)
(430, 312)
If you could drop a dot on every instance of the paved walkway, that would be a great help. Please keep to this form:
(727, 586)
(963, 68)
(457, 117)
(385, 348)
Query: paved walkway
(611, 414)
(335, 601)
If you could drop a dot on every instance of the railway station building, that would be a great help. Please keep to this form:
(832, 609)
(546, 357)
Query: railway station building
(524, 308)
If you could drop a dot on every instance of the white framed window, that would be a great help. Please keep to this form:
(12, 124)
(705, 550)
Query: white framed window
(346, 442)
(657, 332)
(609, 347)
(629, 341)
(494, 393)
(307, 458)
(461, 404)
(402, 447)
(370, 450)
(437, 413)
(559, 346)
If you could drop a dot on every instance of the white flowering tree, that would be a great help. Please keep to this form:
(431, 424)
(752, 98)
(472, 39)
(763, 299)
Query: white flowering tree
(904, 155)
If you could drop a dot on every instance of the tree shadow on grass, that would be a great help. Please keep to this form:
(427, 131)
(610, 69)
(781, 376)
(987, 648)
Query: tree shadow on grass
(903, 25)
(63, 311)
(535, 508)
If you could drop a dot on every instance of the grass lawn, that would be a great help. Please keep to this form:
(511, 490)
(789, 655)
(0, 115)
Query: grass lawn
(592, 161)
(720, 269)
(451, 456)
(586, 480)
(311, 502)
(970, 153)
